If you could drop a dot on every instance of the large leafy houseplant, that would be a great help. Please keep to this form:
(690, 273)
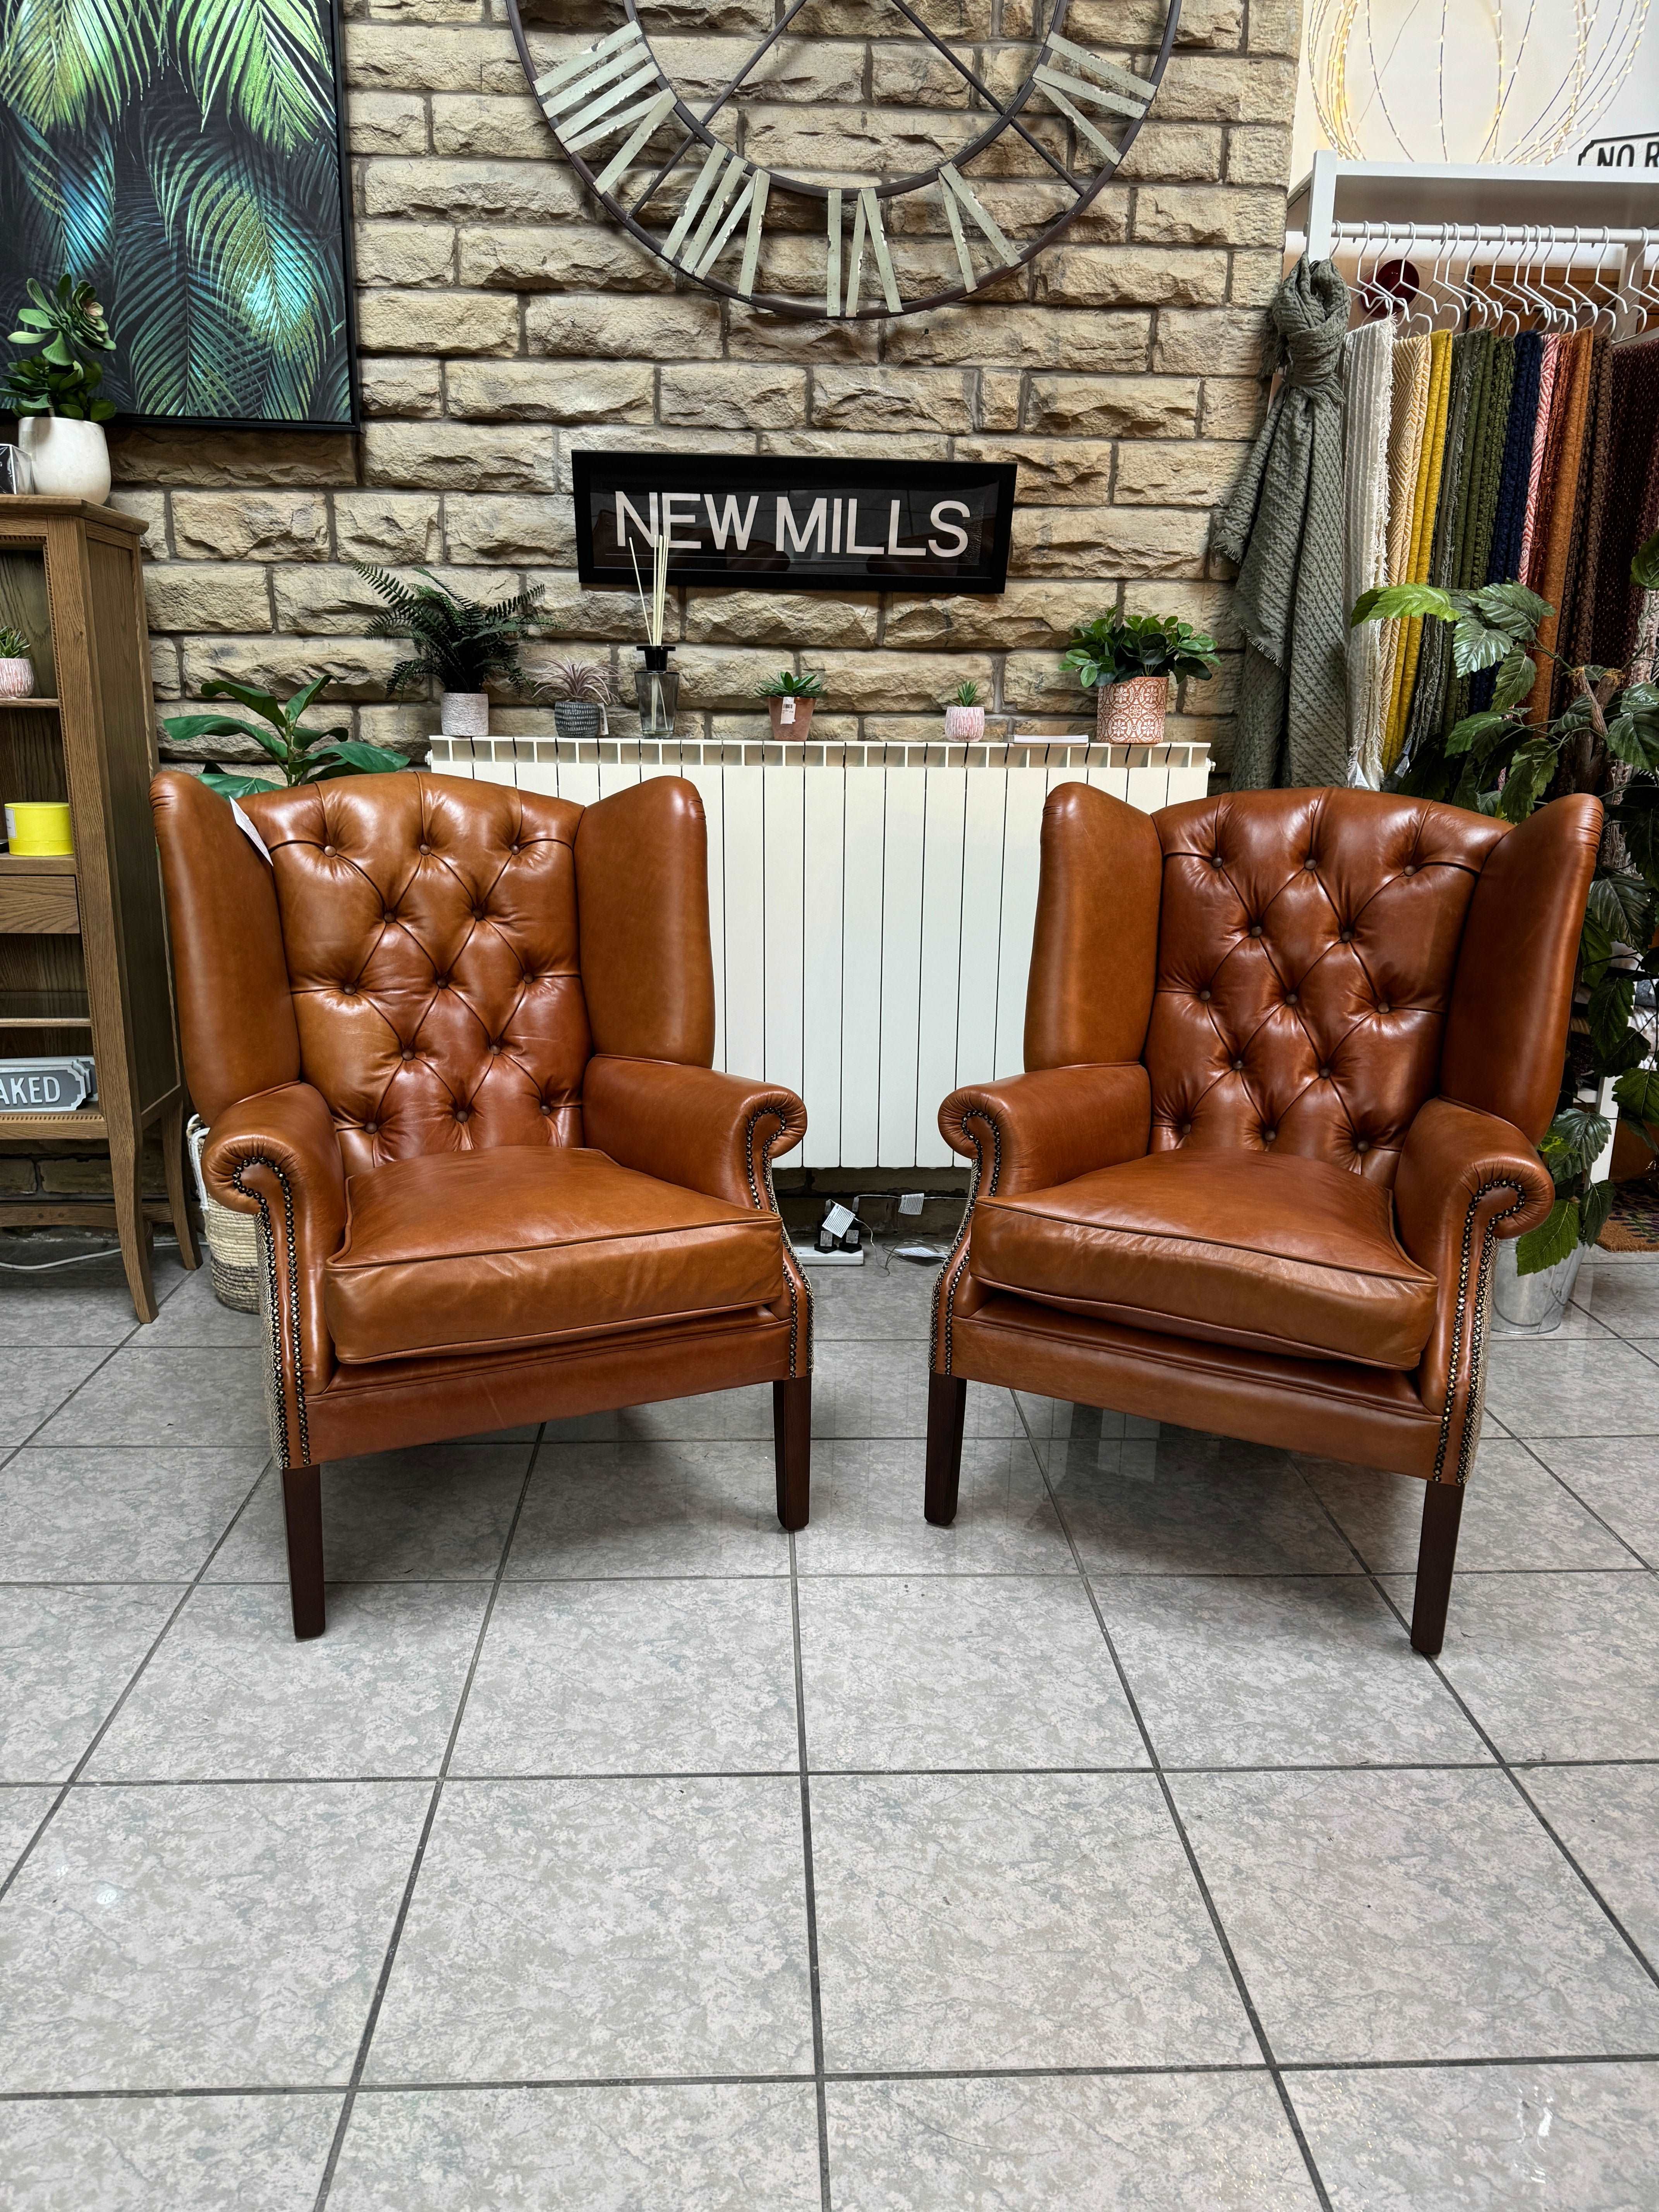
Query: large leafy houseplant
(1606, 743)
(68, 325)
(1117, 648)
(300, 755)
(460, 644)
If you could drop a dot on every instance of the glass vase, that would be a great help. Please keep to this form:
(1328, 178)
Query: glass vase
(656, 687)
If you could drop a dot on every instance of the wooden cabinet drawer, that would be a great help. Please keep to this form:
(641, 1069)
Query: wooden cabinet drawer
(40, 906)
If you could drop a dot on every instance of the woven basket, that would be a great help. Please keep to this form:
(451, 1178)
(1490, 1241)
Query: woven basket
(233, 1239)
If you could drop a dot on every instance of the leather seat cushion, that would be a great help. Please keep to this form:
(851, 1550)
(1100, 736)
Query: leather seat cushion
(1275, 1252)
(522, 1244)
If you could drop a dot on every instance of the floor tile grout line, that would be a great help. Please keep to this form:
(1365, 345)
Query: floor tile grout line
(371, 2019)
(588, 1775)
(1129, 2071)
(109, 1719)
(815, 1986)
(1503, 1763)
(1293, 2119)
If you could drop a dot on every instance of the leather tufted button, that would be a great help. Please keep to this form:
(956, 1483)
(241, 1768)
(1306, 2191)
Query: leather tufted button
(1289, 998)
(423, 848)
(1362, 1144)
(408, 1052)
(1185, 1129)
(1346, 936)
(347, 990)
(1238, 1068)
(328, 852)
(1411, 868)
(441, 981)
(1215, 860)
(496, 1045)
(1255, 929)
(1383, 1008)
(371, 1128)
(480, 914)
(388, 916)
(1204, 997)
(545, 1107)
(1324, 1075)
(463, 1113)
(1269, 1136)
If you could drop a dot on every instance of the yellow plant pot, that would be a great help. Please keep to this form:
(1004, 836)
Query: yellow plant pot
(36, 829)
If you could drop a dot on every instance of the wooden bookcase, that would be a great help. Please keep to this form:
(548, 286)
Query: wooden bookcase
(83, 951)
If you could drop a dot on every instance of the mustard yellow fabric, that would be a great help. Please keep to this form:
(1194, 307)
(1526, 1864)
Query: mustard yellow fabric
(1406, 427)
(1426, 499)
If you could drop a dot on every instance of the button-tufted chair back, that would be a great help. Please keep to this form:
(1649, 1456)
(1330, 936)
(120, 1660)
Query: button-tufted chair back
(1307, 947)
(430, 931)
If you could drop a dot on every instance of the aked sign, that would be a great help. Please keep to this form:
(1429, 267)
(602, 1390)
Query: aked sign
(761, 524)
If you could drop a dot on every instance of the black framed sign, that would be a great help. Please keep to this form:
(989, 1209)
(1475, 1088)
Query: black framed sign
(754, 522)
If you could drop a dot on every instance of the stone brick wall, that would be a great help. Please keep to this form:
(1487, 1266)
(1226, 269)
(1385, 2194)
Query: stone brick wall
(503, 320)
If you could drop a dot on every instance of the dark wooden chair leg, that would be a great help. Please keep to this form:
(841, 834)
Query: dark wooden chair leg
(1437, 1554)
(947, 1408)
(792, 1440)
(302, 1510)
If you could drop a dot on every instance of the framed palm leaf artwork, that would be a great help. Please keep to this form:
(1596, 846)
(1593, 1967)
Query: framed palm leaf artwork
(187, 157)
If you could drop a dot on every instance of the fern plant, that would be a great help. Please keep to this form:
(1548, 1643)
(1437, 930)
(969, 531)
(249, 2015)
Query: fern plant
(461, 644)
(181, 156)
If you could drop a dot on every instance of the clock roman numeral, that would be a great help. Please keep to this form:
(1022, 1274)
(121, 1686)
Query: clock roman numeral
(1098, 84)
(866, 224)
(662, 106)
(832, 270)
(955, 193)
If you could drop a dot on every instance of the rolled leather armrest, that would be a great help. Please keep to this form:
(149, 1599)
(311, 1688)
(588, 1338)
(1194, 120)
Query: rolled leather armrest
(275, 1154)
(1463, 1177)
(695, 1127)
(1045, 1127)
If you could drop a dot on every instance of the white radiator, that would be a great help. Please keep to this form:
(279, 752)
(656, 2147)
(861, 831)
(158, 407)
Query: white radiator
(871, 920)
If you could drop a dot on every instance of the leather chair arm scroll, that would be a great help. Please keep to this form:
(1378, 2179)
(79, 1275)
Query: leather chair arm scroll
(1465, 1179)
(1035, 1130)
(692, 1125)
(275, 1154)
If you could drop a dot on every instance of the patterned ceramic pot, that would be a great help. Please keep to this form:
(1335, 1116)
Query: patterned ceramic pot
(793, 730)
(1132, 712)
(17, 678)
(964, 726)
(463, 714)
(577, 721)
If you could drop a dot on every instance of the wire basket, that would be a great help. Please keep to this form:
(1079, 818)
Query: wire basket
(233, 1239)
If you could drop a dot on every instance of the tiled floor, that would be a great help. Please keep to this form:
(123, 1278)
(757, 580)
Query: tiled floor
(1110, 1850)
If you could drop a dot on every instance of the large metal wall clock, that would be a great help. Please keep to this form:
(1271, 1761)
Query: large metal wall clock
(752, 176)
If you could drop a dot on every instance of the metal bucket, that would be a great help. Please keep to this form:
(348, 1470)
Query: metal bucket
(1532, 1305)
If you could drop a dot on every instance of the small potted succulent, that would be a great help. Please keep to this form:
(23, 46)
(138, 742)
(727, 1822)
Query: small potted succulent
(460, 644)
(581, 692)
(54, 393)
(16, 668)
(964, 718)
(1127, 660)
(792, 699)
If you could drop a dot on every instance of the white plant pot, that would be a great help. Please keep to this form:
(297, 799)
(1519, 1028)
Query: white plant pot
(964, 726)
(17, 678)
(68, 459)
(463, 714)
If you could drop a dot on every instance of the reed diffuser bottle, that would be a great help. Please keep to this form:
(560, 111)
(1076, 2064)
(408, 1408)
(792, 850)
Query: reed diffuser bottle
(656, 685)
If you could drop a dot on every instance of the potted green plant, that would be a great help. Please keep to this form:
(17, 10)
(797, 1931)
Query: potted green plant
(54, 393)
(791, 700)
(1127, 660)
(580, 691)
(298, 755)
(1606, 743)
(964, 718)
(460, 644)
(17, 665)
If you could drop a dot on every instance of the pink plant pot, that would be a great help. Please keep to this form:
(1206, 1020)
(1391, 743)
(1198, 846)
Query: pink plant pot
(964, 726)
(791, 732)
(17, 678)
(1132, 712)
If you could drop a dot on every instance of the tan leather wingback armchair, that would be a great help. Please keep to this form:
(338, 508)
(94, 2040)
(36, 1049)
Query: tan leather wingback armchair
(1289, 1054)
(453, 1042)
